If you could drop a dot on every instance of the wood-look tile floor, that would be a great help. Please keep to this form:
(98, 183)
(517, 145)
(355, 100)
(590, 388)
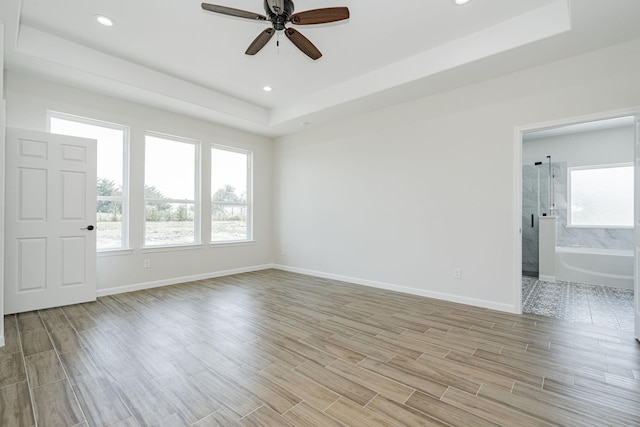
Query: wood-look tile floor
(272, 348)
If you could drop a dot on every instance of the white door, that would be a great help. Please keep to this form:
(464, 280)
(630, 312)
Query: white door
(50, 211)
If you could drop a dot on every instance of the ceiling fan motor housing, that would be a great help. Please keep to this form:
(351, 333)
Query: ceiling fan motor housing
(278, 12)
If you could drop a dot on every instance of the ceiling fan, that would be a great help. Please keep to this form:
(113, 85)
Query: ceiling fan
(280, 13)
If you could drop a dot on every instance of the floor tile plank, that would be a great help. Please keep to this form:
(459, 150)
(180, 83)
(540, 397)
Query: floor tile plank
(368, 350)
(410, 379)
(147, 403)
(442, 411)
(593, 407)
(44, 368)
(273, 395)
(536, 409)
(305, 415)
(55, 404)
(404, 415)
(221, 418)
(513, 372)
(12, 369)
(435, 373)
(264, 417)
(312, 392)
(491, 411)
(11, 340)
(101, 403)
(390, 389)
(231, 395)
(337, 383)
(353, 415)
(34, 342)
(15, 405)
(333, 349)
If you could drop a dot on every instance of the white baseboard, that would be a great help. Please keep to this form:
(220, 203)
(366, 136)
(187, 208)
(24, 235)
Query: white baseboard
(551, 279)
(406, 290)
(177, 280)
(371, 283)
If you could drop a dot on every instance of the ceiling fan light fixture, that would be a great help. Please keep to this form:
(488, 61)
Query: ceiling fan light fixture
(104, 20)
(280, 13)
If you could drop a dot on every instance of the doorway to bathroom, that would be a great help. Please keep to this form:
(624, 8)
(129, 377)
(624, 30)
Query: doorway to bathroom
(578, 237)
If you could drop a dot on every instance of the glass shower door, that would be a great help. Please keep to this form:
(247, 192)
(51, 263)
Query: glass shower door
(535, 202)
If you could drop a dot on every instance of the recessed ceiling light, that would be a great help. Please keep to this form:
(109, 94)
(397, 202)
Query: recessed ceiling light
(267, 89)
(104, 20)
(460, 2)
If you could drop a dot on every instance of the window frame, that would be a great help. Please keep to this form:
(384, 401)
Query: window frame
(197, 201)
(126, 171)
(249, 203)
(570, 169)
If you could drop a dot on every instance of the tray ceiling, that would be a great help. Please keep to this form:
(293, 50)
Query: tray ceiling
(174, 55)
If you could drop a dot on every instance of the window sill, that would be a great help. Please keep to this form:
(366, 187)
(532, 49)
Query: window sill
(151, 249)
(113, 252)
(601, 227)
(231, 243)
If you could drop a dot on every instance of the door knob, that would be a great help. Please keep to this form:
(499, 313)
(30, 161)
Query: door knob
(90, 227)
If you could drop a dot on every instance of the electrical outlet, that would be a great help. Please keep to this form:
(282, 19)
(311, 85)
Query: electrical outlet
(147, 263)
(457, 273)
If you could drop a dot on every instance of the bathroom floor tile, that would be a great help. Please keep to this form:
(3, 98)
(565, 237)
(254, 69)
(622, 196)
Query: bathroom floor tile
(578, 302)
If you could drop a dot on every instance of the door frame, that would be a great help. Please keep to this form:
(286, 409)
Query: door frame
(517, 191)
(2, 201)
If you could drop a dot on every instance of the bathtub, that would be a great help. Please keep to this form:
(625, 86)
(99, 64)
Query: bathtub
(610, 267)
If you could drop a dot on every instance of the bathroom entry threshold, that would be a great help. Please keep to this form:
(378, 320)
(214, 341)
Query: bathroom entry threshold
(580, 303)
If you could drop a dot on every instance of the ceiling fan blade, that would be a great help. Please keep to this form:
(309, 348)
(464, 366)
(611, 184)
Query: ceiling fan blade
(303, 43)
(233, 12)
(320, 16)
(260, 41)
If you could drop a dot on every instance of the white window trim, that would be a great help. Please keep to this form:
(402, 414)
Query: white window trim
(249, 204)
(197, 202)
(126, 161)
(592, 226)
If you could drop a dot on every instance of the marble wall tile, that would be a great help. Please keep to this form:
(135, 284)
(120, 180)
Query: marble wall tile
(535, 200)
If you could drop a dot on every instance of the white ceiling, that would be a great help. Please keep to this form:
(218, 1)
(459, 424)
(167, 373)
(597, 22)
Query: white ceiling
(175, 56)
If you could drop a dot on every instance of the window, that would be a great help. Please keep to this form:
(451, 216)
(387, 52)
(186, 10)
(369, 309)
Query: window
(230, 195)
(112, 174)
(601, 196)
(170, 191)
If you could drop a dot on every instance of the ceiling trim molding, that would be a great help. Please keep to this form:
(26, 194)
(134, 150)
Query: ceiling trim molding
(539, 24)
(115, 73)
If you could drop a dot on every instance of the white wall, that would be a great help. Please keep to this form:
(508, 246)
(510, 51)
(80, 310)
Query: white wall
(600, 147)
(28, 100)
(399, 197)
